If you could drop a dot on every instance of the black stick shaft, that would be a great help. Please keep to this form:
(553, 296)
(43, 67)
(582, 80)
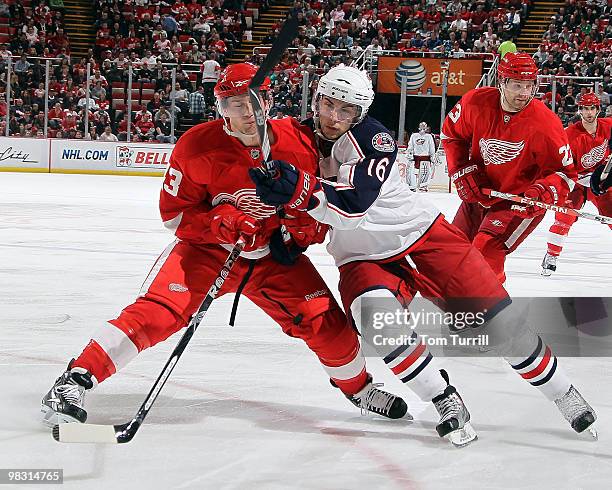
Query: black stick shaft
(129, 431)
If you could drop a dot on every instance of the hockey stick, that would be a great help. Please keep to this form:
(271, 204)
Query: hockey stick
(285, 36)
(125, 432)
(607, 168)
(550, 207)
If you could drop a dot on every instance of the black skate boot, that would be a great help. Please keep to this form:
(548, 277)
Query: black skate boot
(454, 416)
(549, 265)
(372, 399)
(577, 411)
(65, 400)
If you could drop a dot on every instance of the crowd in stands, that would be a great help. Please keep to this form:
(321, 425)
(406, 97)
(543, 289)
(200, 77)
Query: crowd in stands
(578, 42)
(152, 37)
(333, 32)
(197, 36)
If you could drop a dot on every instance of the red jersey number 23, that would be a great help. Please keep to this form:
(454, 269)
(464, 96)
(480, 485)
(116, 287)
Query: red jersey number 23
(174, 178)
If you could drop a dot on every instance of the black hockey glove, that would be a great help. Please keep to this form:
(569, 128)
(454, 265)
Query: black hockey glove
(285, 253)
(598, 186)
(289, 186)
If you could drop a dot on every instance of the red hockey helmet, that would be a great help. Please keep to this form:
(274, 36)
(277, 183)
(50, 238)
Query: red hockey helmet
(235, 79)
(517, 66)
(589, 99)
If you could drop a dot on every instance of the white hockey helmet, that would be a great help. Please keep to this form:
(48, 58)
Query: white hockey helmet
(423, 126)
(348, 84)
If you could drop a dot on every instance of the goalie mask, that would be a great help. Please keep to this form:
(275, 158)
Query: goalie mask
(346, 84)
(233, 82)
(423, 127)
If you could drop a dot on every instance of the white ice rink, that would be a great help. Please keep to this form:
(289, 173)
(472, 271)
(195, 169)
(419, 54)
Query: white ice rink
(248, 407)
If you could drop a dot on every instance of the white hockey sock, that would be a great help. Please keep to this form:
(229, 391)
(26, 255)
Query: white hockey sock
(540, 369)
(411, 362)
(416, 367)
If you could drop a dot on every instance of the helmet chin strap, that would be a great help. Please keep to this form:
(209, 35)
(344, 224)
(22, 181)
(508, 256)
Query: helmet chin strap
(317, 126)
(235, 134)
(503, 96)
(318, 131)
(227, 127)
(507, 104)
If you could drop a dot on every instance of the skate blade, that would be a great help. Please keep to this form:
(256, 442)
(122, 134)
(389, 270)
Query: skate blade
(462, 437)
(592, 432)
(546, 273)
(51, 418)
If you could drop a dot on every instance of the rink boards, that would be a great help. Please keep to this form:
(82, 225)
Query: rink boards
(121, 158)
(83, 157)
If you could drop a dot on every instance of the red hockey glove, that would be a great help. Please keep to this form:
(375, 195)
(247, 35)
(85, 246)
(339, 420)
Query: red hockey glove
(304, 229)
(469, 181)
(542, 191)
(228, 223)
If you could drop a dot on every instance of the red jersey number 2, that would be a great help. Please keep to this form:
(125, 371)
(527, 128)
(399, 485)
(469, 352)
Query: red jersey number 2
(567, 155)
(455, 113)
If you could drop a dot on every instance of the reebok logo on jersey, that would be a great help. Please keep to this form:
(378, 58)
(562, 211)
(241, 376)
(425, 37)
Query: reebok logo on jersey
(594, 156)
(498, 152)
(247, 201)
(316, 294)
(177, 288)
(383, 142)
(496, 222)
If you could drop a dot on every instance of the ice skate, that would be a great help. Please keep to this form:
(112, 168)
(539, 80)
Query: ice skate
(64, 403)
(454, 416)
(372, 399)
(577, 411)
(549, 264)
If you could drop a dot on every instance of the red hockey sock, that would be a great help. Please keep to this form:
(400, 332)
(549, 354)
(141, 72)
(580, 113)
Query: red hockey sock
(352, 385)
(558, 233)
(96, 361)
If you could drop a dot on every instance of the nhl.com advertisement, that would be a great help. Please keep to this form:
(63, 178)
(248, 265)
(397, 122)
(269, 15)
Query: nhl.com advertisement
(110, 156)
(79, 156)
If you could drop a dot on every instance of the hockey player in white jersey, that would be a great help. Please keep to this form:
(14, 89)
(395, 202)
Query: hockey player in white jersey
(390, 243)
(422, 153)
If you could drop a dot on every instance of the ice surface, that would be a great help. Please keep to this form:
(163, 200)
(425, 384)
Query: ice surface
(248, 407)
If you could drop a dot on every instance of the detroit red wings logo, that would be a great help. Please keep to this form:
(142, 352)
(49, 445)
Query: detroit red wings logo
(498, 152)
(247, 201)
(594, 156)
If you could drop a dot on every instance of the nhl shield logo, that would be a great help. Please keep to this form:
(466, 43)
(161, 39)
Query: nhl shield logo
(255, 154)
(124, 156)
(383, 142)
(506, 118)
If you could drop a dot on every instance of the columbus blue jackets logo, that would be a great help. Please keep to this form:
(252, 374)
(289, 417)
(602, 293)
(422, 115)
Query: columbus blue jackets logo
(383, 142)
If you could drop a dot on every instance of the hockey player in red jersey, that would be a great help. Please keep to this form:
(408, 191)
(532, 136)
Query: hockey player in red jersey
(505, 141)
(589, 140)
(209, 201)
(389, 243)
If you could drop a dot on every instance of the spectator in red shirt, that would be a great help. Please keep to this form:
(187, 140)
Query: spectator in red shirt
(145, 128)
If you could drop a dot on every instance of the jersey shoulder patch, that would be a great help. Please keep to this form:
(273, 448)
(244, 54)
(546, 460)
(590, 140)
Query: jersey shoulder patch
(372, 137)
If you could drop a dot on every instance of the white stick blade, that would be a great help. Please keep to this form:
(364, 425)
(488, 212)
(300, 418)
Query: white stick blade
(85, 433)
